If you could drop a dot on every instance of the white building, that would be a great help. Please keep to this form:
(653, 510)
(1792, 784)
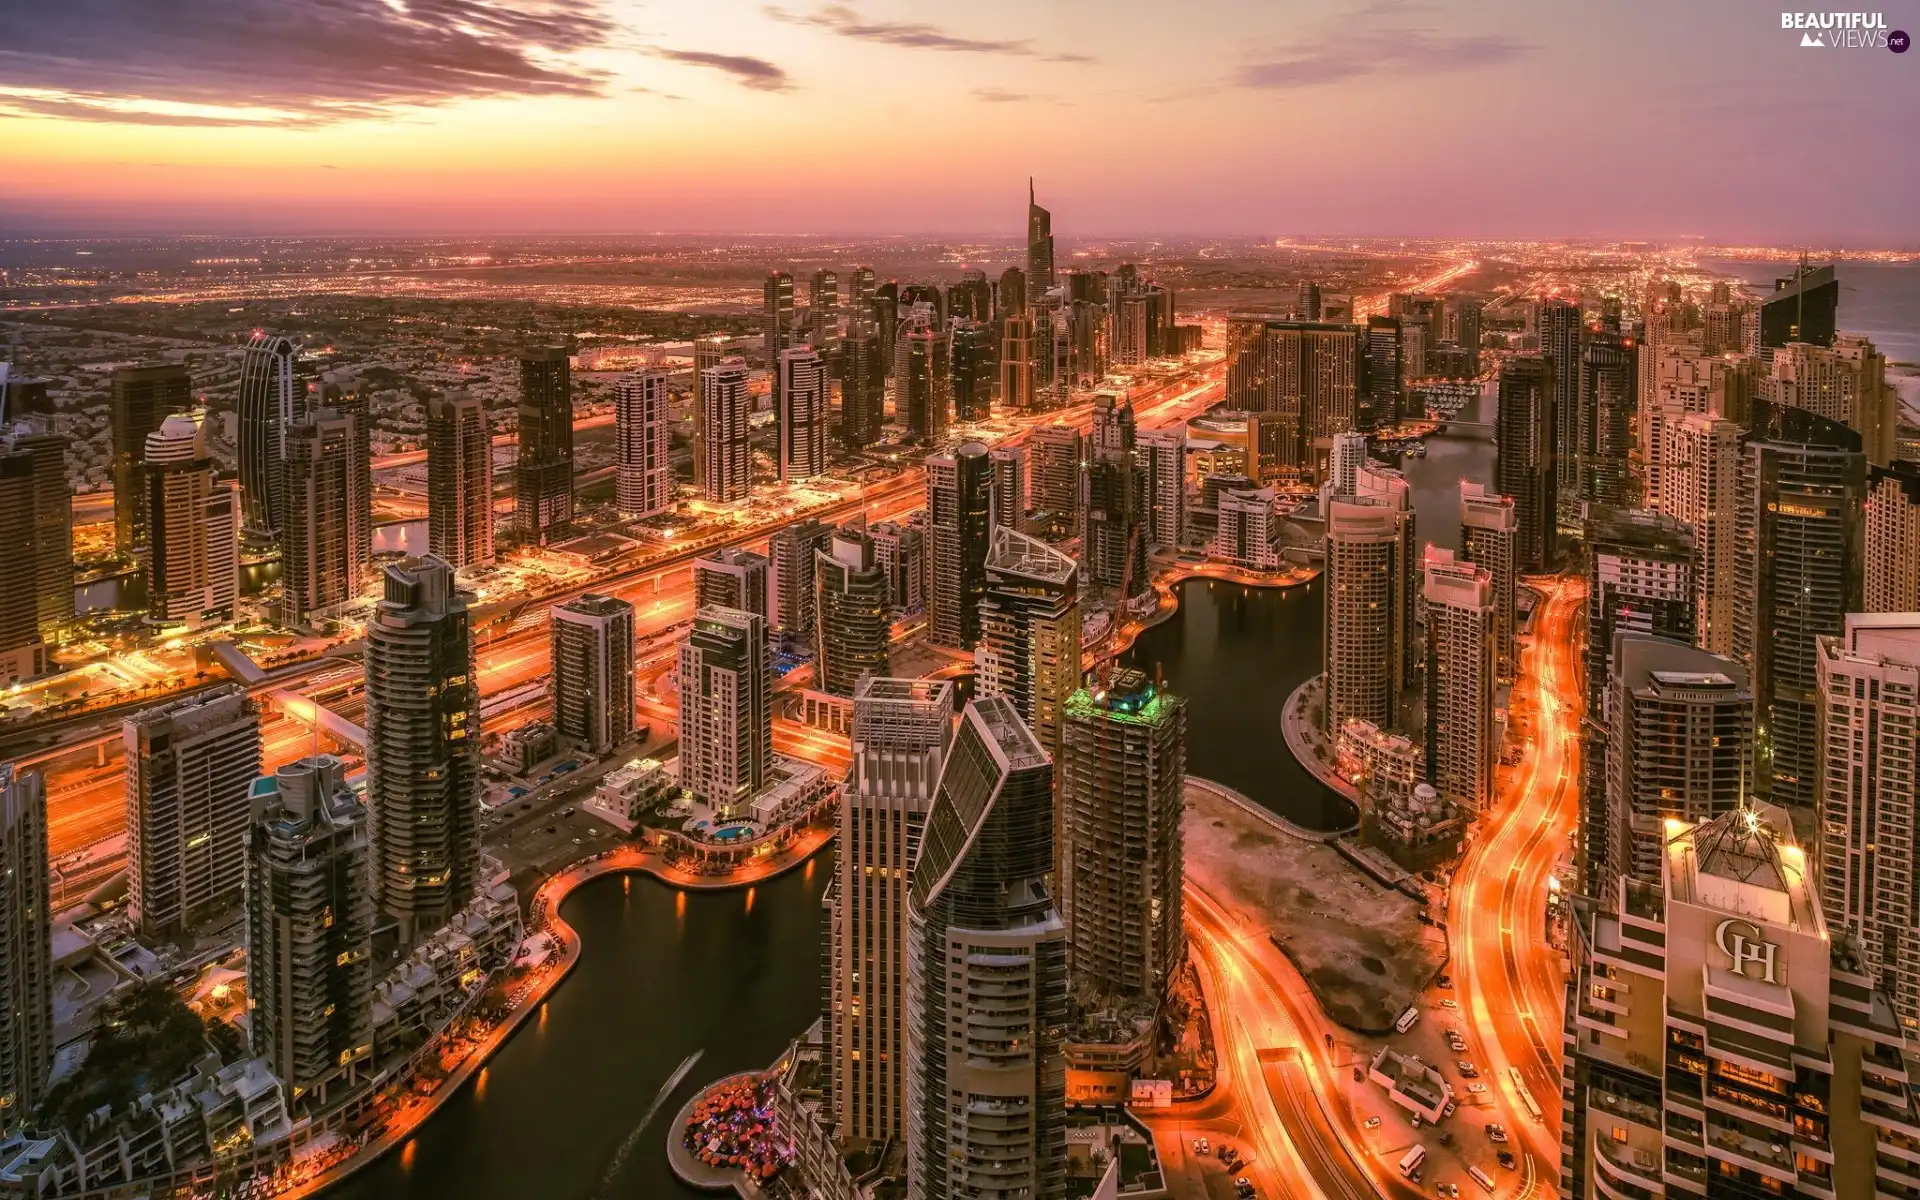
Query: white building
(1163, 452)
(725, 468)
(1700, 479)
(643, 479)
(1248, 532)
(803, 391)
(726, 720)
(1460, 679)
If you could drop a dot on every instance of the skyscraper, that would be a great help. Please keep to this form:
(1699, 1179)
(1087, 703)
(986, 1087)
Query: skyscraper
(708, 351)
(273, 399)
(1017, 360)
(193, 561)
(43, 536)
(1055, 479)
(643, 479)
(1460, 680)
(790, 558)
(776, 325)
(959, 491)
(1561, 337)
(1699, 489)
(310, 917)
(593, 671)
(323, 513)
(971, 369)
(726, 720)
(731, 578)
(923, 395)
(1311, 375)
(1387, 371)
(1369, 566)
(1029, 649)
(1801, 308)
(1163, 452)
(1487, 528)
(459, 481)
(1039, 246)
(1129, 335)
(543, 473)
(1892, 545)
(191, 764)
(423, 748)
(1122, 773)
(141, 399)
(1525, 470)
(26, 938)
(1604, 435)
(1009, 500)
(23, 653)
(901, 730)
(823, 313)
(901, 551)
(852, 625)
(803, 389)
(1113, 506)
(863, 383)
(726, 473)
(986, 1031)
(1640, 569)
(1845, 383)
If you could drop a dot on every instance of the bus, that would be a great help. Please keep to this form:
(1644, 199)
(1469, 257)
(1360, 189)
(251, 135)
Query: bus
(1410, 1165)
(1407, 1019)
(1526, 1097)
(1480, 1177)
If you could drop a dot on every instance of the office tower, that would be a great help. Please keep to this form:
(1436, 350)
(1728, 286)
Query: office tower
(1561, 338)
(924, 390)
(193, 561)
(141, 399)
(1869, 720)
(1057, 451)
(1604, 436)
(959, 520)
(708, 351)
(1699, 488)
(190, 766)
(543, 472)
(1163, 452)
(1113, 507)
(1122, 770)
(863, 384)
(776, 323)
(901, 729)
(1801, 308)
(852, 626)
(971, 368)
(731, 578)
(1010, 295)
(1846, 382)
(1369, 570)
(1312, 376)
(593, 671)
(1345, 457)
(643, 473)
(1467, 316)
(1723, 1039)
(862, 287)
(1306, 301)
(1640, 568)
(1797, 567)
(1488, 525)
(970, 298)
(1039, 247)
(1892, 547)
(1129, 330)
(726, 717)
(323, 512)
(803, 390)
(1685, 381)
(1524, 469)
(310, 918)
(40, 515)
(886, 316)
(459, 481)
(351, 402)
(1029, 648)
(423, 748)
(1461, 674)
(273, 399)
(26, 920)
(1387, 372)
(1678, 746)
(986, 1031)
(1008, 503)
(823, 313)
(901, 552)
(790, 555)
(726, 473)
(1016, 361)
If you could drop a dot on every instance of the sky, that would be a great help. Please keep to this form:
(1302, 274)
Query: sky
(1521, 119)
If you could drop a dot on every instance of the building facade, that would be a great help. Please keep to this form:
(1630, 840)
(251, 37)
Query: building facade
(593, 671)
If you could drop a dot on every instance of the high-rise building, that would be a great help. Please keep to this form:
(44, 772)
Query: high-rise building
(324, 558)
(1130, 330)
(731, 578)
(1246, 527)
(708, 351)
(1164, 454)
(1113, 504)
(726, 718)
(1487, 528)
(886, 317)
(543, 472)
(1699, 487)
(1869, 793)
(459, 481)
(273, 399)
(901, 552)
(23, 652)
(1797, 568)
(924, 395)
(352, 401)
(1369, 568)
(1467, 315)
(1306, 303)
(1010, 294)
(310, 917)
(852, 626)
(1387, 371)
(971, 367)
(643, 474)
(823, 313)
(1892, 546)
(1008, 503)
(1311, 375)
(142, 398)
(804, 386)
(790, 592)
(1017, 360)
(901, 730)
(1122, 772)
(1524, 469)
(1461, 671)
(1846, 382)
(33, 451)
(593, 671)
(1029, 649)
(1640, 569)
(863, 383)
(986, 1031)
(423, 748)
(726, 471)
(1039, 247)
(776, 325)
(193, 561)
(1801, 308)
(1057, 453)
(26, 939)
(1562, 335)
(1605, 421)
(191, 764)
(959, 520)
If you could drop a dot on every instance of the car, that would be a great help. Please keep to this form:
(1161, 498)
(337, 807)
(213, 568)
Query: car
(1370, 1123)
(1200, 1146)
(1449, 1002)
(1445, 981)
(1457, 1045)
(1244, 1186)
(1448, 1110)
(572, 764)
(1507, 1160)
(1416, 1120)
(576, 841)
(1496, 1132)
(1447, 1189)
(1225, 1152)
(1446, 1139)
(1478, 1089)
(567, 811)
(1467, 1069)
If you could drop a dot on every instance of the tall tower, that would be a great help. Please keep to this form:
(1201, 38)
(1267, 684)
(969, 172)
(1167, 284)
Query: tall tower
(459, 481)
(1639, 576)
(43, 529)
(1699, 486)
(593, 671)
(1460, 614)
(1029, 648)
(823, 312)
(726, 473)
(1009, 500)
(1121, 775)
(1039, 246)
(141, 399)
(26, 939)
(323, 515)
(1526, 433)
(959, 491)
(1561, 337)
(852, 625)
(272, 400)
(423, 748)
(776, 316)
(190, 766)
(1487, 528)
(982, 879)
(643, 480)
(1608, 375)
(193, 564)
(1163, 452)
(732, 578)
(1892, 549)
(310, 917)
(790, 556)
(726, 720)
(901, 729)
(1057, 450)
(971, 369)
(543, 473)
(1016, 357)
(803, 389)
(1369, 569)
(1113, 500)
(863, 384)
(924, 393)
(1801, 308)
(1386, 375)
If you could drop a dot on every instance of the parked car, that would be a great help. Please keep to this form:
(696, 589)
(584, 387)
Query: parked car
(1478, 1089)
(1467, 1069)
(1496, 1132)
(1245, 1187)
(1507, 1160)
(1370, 1123)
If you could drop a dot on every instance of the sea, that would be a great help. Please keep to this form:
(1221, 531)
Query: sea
(1880, 301)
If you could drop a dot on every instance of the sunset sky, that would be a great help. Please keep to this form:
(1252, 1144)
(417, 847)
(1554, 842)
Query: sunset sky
(612, 116)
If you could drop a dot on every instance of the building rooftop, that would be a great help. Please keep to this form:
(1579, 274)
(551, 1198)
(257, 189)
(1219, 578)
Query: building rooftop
(1745, 863)
(1015, 553)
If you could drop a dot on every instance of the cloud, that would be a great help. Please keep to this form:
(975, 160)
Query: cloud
(838, 18)
(755, 73)
(1345, 53)
(994, 95)
(183, 62)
